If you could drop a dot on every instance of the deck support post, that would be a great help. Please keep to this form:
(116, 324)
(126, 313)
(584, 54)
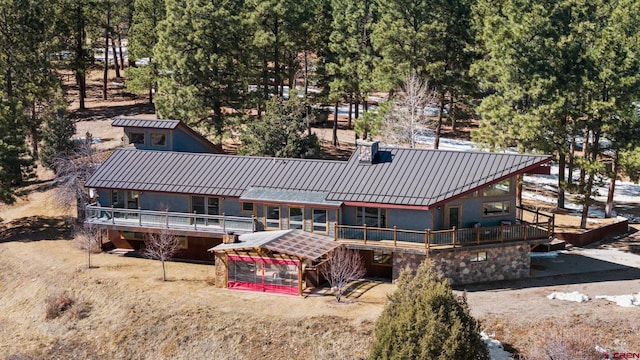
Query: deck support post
(394, 236)
(365, 233)
(453, 237)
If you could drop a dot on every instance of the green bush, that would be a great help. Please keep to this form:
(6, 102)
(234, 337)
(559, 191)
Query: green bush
(424, 319)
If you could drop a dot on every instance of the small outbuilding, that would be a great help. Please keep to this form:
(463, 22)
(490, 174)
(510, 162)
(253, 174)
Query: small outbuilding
(281, 262)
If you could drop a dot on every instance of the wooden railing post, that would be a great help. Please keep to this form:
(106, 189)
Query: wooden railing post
(113, 215)
(501, 235)
(524, 227)
(394, 236)
(224, 224)
(478, 235)
(365, 233)
(139, 216)
(427, 237)
(335, 231)
(195, 221)
(453, 236)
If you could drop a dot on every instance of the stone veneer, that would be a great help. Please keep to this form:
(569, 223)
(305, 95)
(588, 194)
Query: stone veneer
(503, 262)
(220, 272)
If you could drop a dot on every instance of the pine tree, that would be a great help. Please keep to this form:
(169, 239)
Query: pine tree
(143, 37)
(200, 61)
(425, 320)
(281, 132)
(57, 132)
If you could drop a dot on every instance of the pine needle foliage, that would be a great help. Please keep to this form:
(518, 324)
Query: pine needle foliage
(424, 319)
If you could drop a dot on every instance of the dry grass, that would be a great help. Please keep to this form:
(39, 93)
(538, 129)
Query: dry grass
(127, 312)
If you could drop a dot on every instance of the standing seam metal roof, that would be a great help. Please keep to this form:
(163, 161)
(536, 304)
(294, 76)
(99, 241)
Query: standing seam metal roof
(146, 123)
(399, 177)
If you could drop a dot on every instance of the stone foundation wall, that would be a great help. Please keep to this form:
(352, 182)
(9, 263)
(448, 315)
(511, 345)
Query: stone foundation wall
(505, 262)
(220, 272)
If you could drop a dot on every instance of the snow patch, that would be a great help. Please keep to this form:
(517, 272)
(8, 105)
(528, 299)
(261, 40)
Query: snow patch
(622, 300)
(572, 296)
(548, 254)
(496, 351)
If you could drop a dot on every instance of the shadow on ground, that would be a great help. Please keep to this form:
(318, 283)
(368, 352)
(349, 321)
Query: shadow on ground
(109, 112)
(35, 228)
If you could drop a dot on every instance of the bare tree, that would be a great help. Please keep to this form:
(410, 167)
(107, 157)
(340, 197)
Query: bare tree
(408, 114)
(161, 246)
(343, 266)
(72, 170)
(87, 237)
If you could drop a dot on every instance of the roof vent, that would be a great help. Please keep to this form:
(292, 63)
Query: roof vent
(367, 151)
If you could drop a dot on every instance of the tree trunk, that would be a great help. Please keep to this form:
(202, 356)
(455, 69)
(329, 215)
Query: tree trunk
(350, 110)
(306, 74)
(357, 106)
(105, 76)
(572, 155)
(164, 273)
(115, 58)
(335, 125)
(436, 141)
(33, 131)
(608, 210)
(80, 61)
(591, 175)
(120, 48)
(561, 175)
(451, 112)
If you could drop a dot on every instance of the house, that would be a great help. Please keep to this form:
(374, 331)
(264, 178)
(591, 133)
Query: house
(269, 221)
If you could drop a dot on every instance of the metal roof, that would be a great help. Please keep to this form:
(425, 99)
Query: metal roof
(288, 196)
(146, 123)
(293, 242)
(211, 174)
(425, 177)
(403, 177)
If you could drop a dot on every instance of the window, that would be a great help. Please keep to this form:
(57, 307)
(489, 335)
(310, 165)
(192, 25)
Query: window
(382, 257)
(136, 138)
(371, 216)
(296, 218)
(471, 195)
(498, 189)
(248, 207)
(496, 208)
(158, 139)
(133, 200)
(117, 199)
(319, 218)
(272, 217)
(479, 256)
(206, 206)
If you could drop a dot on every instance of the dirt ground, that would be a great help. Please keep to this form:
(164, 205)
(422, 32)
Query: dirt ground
(132, 314)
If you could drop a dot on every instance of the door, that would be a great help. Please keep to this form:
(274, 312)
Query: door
(453, 216)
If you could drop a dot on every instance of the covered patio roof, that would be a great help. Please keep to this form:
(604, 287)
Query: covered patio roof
(292, 242)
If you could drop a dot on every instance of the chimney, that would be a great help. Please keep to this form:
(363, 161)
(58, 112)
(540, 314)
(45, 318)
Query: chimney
(367, 151)
(229, 238)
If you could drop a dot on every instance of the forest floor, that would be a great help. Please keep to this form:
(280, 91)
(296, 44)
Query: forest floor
(124, 310)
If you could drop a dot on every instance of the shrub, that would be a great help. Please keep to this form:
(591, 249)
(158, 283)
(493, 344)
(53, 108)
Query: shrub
(57, 304)
(425, 320)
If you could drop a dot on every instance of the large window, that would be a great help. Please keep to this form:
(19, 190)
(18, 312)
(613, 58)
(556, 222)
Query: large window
(158, 139)
(320, 220)
(206, 206)
(263, 274)
(133, 200)
(498, 189)
(496, 208)
(272, 216)
(136, 138)
(296, 218)
(374, 217)
(117, 199)
(248, 207)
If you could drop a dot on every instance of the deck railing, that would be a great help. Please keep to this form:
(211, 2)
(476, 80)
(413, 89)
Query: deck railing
(171, 220)
(444, 238)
